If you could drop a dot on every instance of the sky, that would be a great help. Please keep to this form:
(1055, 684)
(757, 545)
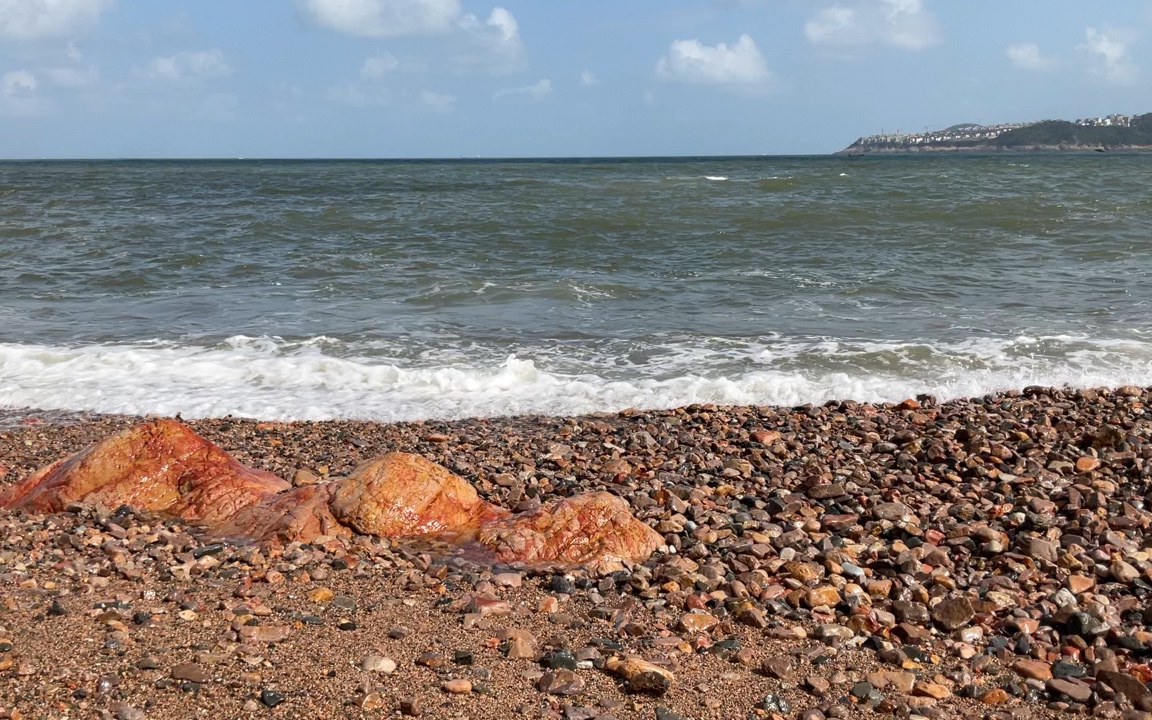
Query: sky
(547, 78)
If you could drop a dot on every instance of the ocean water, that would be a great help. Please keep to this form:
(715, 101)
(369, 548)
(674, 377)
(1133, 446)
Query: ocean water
(397, 290)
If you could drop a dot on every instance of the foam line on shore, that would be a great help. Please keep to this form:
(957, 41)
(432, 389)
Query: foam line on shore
(267, 379)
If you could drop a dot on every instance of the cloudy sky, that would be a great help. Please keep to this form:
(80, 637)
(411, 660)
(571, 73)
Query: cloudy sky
(451, 78)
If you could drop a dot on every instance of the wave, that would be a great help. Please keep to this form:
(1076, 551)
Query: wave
(326, 378)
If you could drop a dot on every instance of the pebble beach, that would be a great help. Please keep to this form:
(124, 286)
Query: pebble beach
(977, 558)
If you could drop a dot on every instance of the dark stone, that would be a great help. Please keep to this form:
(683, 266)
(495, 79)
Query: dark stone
(1085, 625)
(861, 690)
(56, 609)
(212, 549)
(561, 584)
(726, 647)
(559, 660)
(1066, 669)
(775, 704)
(953, 613)
(1127, 642)
(911, 612)
(1022, 646)
(271, 698)
(663, 713)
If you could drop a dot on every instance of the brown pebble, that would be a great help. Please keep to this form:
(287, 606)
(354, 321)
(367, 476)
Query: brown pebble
(561, 682)
(1033, 669)
(190, 672)
(458, 686)
(411, 707)
(932, 690)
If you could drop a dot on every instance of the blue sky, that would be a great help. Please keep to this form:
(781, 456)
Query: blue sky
(451, 78)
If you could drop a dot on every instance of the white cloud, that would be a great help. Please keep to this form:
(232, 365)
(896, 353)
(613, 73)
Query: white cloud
(1108, 55)
(902, 24)
(1027, 56)
(375, 68)
(439, 102)
(690, 61)
(495, 43)
(19, 94)
(189, 66)
(587, 79)
(384, 18)
(530, 93)
(34, 19)
(369, 90)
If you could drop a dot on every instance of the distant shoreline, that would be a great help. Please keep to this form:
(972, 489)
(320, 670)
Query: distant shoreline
(998, 149)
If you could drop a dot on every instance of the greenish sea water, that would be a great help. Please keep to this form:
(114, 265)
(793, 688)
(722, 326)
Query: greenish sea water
(429, 289)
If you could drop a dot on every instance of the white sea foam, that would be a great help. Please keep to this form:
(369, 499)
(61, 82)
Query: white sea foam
(323, 378)
(715, 177)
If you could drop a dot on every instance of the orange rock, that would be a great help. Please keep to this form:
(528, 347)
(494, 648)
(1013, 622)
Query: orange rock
(594, 529)
(301, 514)
(825, 595)
(694, 622)
(802, 571)
(997, 696)
(162, 466)
(403, 495)
(1087, 463)
(764, 437)
(1079, 583)
(932, 690)
(641, 676)
(1034, 669)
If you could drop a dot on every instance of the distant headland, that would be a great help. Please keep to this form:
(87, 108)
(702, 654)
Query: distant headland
(1101, 134)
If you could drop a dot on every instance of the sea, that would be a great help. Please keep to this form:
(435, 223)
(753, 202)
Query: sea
(445, 289)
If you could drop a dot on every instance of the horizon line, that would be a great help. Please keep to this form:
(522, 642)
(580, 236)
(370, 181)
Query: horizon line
(446, 158)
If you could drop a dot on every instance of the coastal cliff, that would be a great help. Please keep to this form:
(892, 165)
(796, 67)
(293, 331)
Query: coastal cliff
(1114, 132)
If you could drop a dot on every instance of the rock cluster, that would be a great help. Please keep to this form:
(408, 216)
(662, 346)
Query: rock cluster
(163, 466)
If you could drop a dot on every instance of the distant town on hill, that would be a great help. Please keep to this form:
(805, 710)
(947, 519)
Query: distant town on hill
(1100, 134)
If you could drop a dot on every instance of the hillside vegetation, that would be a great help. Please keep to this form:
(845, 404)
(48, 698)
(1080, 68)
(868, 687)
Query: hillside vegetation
(1062, 132)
